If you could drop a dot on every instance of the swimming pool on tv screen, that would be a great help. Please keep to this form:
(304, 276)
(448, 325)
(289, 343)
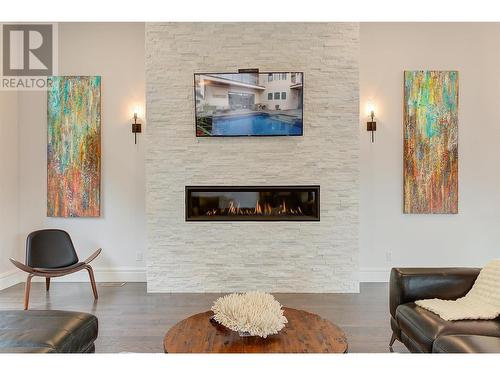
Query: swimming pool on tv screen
(261, 124)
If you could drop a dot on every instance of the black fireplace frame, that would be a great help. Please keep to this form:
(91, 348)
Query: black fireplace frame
(247, 188)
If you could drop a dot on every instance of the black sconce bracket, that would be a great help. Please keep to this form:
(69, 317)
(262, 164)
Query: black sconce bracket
(136, 128)
(371, 126)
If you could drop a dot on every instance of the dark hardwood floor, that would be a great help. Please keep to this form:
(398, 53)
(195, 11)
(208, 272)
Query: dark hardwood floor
(131, 320)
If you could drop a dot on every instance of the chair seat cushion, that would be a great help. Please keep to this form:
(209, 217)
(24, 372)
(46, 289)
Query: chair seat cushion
(47, 330)
(466, 344)
(61, 269)
(424, 327)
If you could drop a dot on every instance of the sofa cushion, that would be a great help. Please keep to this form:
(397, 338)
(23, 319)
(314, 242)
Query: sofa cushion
(466, 344)
(51, 330)
(423, 326)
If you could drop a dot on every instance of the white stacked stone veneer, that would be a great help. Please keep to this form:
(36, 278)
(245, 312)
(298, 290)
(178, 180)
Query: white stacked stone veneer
(241, 256)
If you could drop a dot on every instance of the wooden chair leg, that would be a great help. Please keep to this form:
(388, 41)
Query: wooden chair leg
(47, 283)
(393, 338)
(27, 291)
(92, 281)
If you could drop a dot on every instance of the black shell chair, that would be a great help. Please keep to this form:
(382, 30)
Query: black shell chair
(50, 253)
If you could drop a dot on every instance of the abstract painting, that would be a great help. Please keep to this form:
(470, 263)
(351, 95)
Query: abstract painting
(430, 142)
(74, 146)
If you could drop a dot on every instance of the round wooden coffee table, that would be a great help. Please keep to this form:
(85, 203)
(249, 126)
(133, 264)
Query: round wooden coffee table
(304, 333)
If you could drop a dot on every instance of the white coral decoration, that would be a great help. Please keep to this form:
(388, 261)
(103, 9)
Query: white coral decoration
(257, 313)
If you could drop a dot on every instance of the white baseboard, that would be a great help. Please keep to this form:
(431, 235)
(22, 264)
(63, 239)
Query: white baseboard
(9, 278)
(116, 274)
(138, 274)
(374, 275)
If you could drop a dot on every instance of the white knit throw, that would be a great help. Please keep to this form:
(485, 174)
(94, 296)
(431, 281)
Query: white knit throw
(481, 302)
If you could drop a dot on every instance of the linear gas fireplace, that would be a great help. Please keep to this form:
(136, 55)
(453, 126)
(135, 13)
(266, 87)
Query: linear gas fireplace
(252, 203)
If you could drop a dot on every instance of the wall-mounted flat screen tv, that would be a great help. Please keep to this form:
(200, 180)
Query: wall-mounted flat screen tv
(249, 104)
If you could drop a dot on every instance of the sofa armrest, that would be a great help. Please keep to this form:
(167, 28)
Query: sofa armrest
(411, 284)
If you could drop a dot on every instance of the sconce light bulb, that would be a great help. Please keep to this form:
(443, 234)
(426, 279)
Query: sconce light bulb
(370, 109)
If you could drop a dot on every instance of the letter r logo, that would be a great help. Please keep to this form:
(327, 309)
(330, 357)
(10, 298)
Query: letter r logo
(27, 50)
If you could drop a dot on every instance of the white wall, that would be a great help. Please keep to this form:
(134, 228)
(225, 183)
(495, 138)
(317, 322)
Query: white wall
(9, 197)
(237, 256)
(116, 52)
(472, 237)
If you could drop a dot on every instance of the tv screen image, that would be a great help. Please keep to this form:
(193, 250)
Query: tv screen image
(248, 104)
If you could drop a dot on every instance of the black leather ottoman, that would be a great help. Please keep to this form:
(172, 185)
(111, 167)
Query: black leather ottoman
(47, 331)
(466, 344)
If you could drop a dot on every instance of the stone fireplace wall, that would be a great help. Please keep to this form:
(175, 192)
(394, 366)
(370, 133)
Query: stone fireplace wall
(238, 256)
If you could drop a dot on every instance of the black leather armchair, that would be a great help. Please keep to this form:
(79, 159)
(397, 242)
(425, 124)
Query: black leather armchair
(425, 332)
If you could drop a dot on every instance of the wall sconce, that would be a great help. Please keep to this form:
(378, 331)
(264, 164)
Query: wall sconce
(371, 125)
(136, 127)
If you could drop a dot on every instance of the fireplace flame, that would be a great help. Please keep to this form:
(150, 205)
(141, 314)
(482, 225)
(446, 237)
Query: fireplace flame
(260, 209)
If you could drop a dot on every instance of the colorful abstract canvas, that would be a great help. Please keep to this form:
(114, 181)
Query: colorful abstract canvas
(430, 142)
(74, 146)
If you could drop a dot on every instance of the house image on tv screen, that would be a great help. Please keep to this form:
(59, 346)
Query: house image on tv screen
(249, 104)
